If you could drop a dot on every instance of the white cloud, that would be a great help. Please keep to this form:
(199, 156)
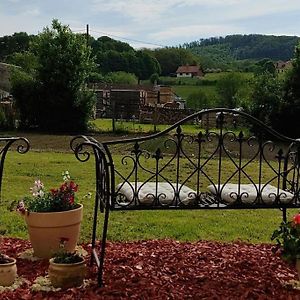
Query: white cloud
(31, 12)
(193, 31)
(137, 10)
(157, 21)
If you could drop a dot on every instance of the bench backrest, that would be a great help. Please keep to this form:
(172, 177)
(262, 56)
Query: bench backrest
(21, 144)
(210, 159)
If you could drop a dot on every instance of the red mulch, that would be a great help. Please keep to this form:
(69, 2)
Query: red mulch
(166, 269)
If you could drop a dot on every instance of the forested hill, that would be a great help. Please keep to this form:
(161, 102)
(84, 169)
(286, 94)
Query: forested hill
(253, 46)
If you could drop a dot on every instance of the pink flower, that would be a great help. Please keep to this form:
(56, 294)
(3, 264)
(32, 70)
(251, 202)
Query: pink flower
(37, 189)
(39, 184)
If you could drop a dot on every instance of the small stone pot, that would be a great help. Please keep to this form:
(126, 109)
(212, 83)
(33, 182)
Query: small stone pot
(8, 273)
(66, 275)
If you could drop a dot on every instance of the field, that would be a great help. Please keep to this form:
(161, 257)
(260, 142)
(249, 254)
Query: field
(50, 156)
(185, 90)
(184, 87)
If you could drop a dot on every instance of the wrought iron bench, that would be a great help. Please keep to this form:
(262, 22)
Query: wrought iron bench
(217, 166)
(22, 146)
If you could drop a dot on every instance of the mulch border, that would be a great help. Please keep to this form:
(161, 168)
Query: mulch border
(168, 269)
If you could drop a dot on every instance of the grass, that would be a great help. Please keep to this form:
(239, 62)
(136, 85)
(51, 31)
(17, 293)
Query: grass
(222, 225)
(128, 127)
(105, 125)
(185, 90)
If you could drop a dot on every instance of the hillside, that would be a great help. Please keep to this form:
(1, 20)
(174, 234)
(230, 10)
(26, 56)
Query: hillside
(218, 51)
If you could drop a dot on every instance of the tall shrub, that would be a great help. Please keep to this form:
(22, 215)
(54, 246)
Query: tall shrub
(228, 87)
(60, 101)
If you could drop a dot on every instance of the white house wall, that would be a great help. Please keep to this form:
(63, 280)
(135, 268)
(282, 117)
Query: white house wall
(184, 75)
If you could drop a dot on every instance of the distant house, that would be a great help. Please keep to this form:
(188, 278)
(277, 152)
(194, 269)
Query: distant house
(282, 66)
(189, 71)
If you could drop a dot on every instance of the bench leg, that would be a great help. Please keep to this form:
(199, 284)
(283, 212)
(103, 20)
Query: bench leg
(103, 245)
(94, 228)
(284, 219)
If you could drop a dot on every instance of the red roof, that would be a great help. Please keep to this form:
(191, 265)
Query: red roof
(188, 69)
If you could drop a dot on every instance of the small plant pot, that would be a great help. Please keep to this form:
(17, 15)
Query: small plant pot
(66, 275)
(8, 272)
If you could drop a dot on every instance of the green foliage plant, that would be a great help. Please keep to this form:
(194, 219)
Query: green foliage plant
(121, 77)
(288, 239)
(228, 87)
(62, 256)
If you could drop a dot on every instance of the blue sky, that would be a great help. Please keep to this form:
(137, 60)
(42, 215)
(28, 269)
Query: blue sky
(146, 23)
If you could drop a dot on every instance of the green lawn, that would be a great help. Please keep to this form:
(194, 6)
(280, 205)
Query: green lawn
(223, 225)
(105, 125)
(185, 90)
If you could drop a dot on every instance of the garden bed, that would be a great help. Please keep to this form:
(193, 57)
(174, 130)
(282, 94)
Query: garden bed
(167, 269)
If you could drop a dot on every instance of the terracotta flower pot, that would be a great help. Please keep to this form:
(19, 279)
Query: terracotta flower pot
(66, 275)
(47, 228)
(8, 273)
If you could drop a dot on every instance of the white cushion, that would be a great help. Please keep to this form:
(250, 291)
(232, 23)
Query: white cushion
(165, 192)
(248, 193)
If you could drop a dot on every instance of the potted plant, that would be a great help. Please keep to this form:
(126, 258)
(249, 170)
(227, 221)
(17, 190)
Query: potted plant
(66, 269)
(8, 270)
(287, 237)
(51, 214)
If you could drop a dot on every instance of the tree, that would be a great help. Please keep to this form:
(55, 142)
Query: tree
(18, 42)
(265, 65)
(199, 100)
(121, 78)
(228, 87)
(26, 60)
(105, 43)
(147, 65)
(24, 90)
(266, 98)
(289, 111)
(171, 58)
(112, 61)
(64, 64)
(154, 78)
